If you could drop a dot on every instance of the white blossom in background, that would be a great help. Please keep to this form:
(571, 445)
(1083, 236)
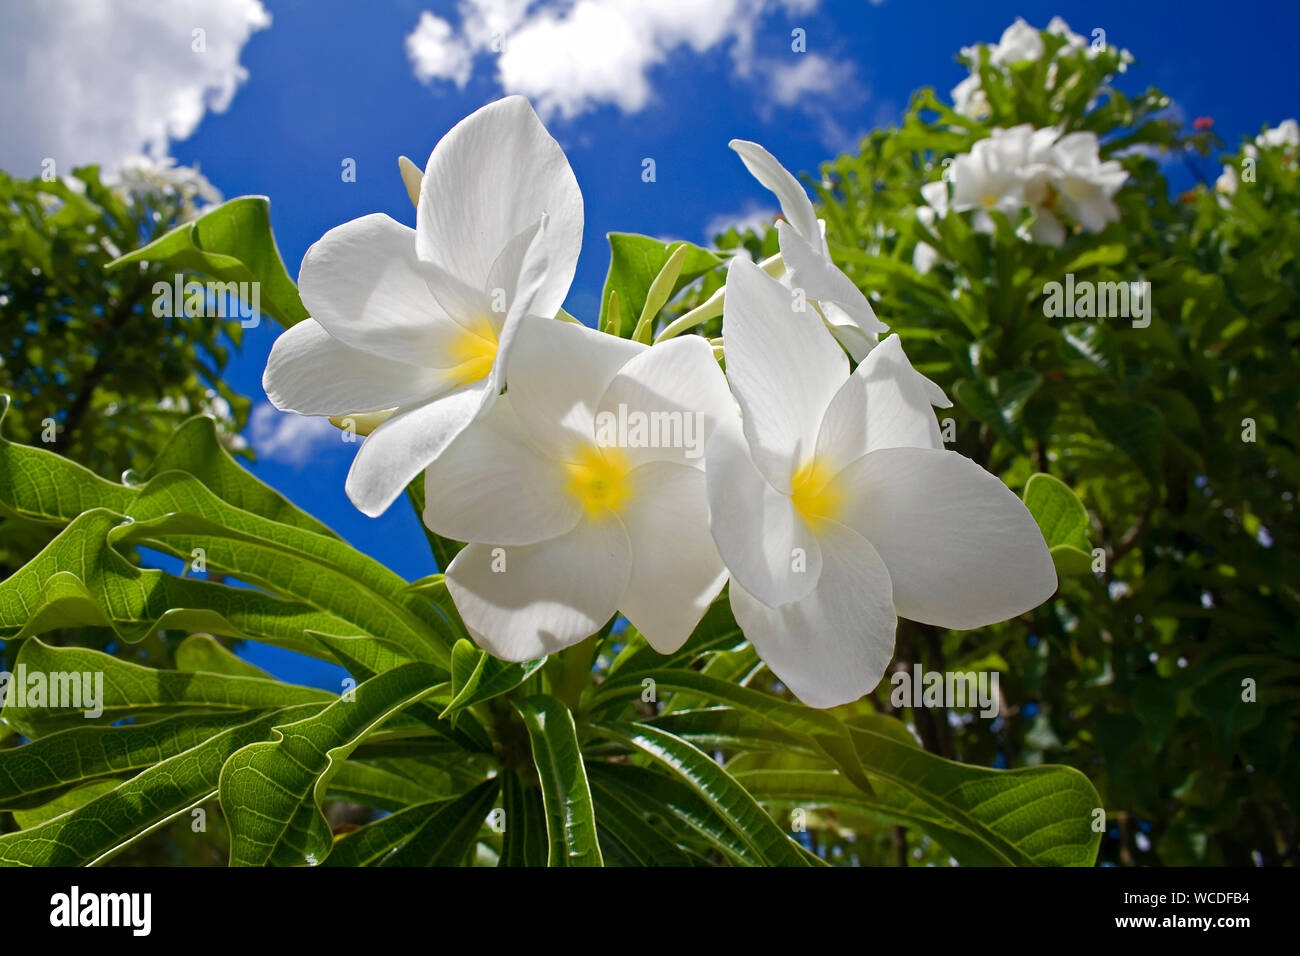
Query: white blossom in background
(935, 194)
(213, 406)
(837, 510)
(1060, 179)
(1285, 135)
(1020, 43)
(418, 323)
(141, 177)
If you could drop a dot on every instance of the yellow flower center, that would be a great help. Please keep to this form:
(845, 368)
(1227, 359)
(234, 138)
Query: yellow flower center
(599, 480)
(816, 497)
(473, 352)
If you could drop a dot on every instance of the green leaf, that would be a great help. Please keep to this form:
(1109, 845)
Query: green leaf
(108, 591)
(202, 652)
(570, 817)
(71, 800)
(612, 320)
(998, 401)
(819, 728)
(1063, 521)
(657, 795)
(827, 788)
(365, 658)
(477, 676)
(195, 449)
(525, 841)
(446, 837)
(727, 728)
(634, 263)
(40, 771)
(131, 690)
(1108, 255)
(1032, 816)
(1135, 428)
(622, 822)
(113, 821)
(660, 289)
(370, 844)
(718, 788)
(1095, 344)
(374, 786)
(443, 549)
(232, 243)
(271, 792)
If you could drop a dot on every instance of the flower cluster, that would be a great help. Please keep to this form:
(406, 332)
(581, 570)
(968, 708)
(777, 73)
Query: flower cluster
(1284, 136)
(592, 475)
(1021, 43)
(1057, 179)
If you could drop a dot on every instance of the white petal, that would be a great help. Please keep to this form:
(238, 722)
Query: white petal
(494, 174)
(834, 645)
(363, 283)
(962, 549)
(821, 279)
(406, 444)
(529, 284)
(676, 570)
(1046, 229)
(557, 374)
(884, 404)
(783, 366)
(795, 204)
(491, 485)
(677, 392)
(312, 373)
(549, 595)
(763, 541)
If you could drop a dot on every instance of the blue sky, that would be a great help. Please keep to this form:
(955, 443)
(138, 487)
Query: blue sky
(331, 79)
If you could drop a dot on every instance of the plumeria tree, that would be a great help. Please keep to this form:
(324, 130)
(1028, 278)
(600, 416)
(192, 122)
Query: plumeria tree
(678, 554)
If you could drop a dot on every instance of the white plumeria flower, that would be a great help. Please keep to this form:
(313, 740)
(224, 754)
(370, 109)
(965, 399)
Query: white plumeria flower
(421, 320)
(807, 258)
(571, 515)
(989, 178)
(1286, 133)
(1020, 42)
(969, 98)
(1044, 171)
(935, 194)
(836, 509)
(1084, 185)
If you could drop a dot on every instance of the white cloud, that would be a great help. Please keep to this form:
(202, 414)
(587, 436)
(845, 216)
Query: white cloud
(807, 76)
(93, 81)
(436, 54)
(573, 57)
(288, 438)
(754, 217)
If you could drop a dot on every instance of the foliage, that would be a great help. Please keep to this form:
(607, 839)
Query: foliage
(471, 758)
